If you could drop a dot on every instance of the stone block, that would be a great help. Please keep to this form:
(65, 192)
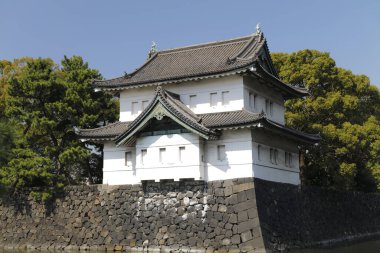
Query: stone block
(228, 191)
(256, 232)
(226, 242)
(132, 243)
(242, 216)
(222, 208)
(228, 226)
(232, 200)
(245, 226)
(233, 218)
(246, 236)
(243, 187)
(189, 194)
(186, 201)
(219, 192)
(118, 247)
(250, 194)
(235, 239)
(252, 213)
(244, 206)
(104, 233)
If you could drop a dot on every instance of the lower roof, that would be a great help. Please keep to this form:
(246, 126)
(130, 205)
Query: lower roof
(213, 121)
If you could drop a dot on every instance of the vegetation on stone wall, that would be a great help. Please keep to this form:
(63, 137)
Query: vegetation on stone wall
(42, 104)
(345, 109)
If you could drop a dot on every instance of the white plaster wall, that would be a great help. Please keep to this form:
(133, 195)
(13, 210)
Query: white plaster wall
(201, 89)
(190, 165)
(114, 169)
(264, 92)
(276, 175)
(263, 167)
(238, 161)
(200, 158)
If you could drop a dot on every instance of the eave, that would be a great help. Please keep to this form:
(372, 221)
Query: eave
(288, 91)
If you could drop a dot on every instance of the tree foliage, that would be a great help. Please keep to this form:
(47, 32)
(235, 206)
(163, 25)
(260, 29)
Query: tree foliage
(7, 142)
(49, 102)
(345, 109)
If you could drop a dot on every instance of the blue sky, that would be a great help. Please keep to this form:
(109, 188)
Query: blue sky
(115, 36)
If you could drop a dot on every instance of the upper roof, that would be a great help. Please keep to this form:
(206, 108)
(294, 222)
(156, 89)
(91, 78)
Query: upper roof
(195, 62)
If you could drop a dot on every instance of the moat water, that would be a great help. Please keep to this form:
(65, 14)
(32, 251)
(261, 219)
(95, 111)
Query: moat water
(363, 247)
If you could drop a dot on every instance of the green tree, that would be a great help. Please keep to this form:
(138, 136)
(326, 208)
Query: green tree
(345, 109)
(9, 69)
(7, 142)
(49, 102)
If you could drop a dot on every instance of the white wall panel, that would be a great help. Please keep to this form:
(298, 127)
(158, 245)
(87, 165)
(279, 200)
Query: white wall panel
(201, 89)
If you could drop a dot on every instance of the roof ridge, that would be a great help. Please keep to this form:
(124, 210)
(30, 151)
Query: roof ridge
(107, 80)
(102, 127)
(240, 110)
(205, 44)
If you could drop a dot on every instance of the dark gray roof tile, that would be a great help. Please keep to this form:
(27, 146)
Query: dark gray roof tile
(192, 61)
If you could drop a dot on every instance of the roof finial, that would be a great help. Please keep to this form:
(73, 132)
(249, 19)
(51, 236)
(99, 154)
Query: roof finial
(153, 49)
(258, 29)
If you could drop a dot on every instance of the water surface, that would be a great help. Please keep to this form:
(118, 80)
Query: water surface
(363, 247)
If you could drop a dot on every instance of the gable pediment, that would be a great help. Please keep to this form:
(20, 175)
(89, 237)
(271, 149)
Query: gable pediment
(166, 104)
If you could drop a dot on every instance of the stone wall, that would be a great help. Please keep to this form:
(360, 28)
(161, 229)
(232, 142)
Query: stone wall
(180, 216)
(293, 217)
(240, 215)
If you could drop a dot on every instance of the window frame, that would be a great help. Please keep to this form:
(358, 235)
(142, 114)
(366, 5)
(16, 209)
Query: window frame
(144, 153)
(221, 152)
(225, 100)
(259, 152)
(142, 104)
(181, 150)
(215, 96)
(252, 100)
(192, 103)
(273, 155)
(162, 155)
(128, 162)
(134, 107)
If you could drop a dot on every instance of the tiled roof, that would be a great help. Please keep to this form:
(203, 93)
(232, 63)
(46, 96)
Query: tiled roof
(106, 132)
(226, 119)
(206, 123)
(276, 127)
(193, 61)
(174, 107)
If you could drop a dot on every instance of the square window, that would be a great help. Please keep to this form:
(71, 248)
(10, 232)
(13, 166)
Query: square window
(271, 108)
(252, 100)
(225, 98)
(162, 155)
(144, 153)
(192, 102)
(288, 159)
(135, 108)
(213, 99)
(259, 152)
(144, 104)
(181, 154)
(268, 107)
(221, 152)
(128, 159)
(273, 155)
